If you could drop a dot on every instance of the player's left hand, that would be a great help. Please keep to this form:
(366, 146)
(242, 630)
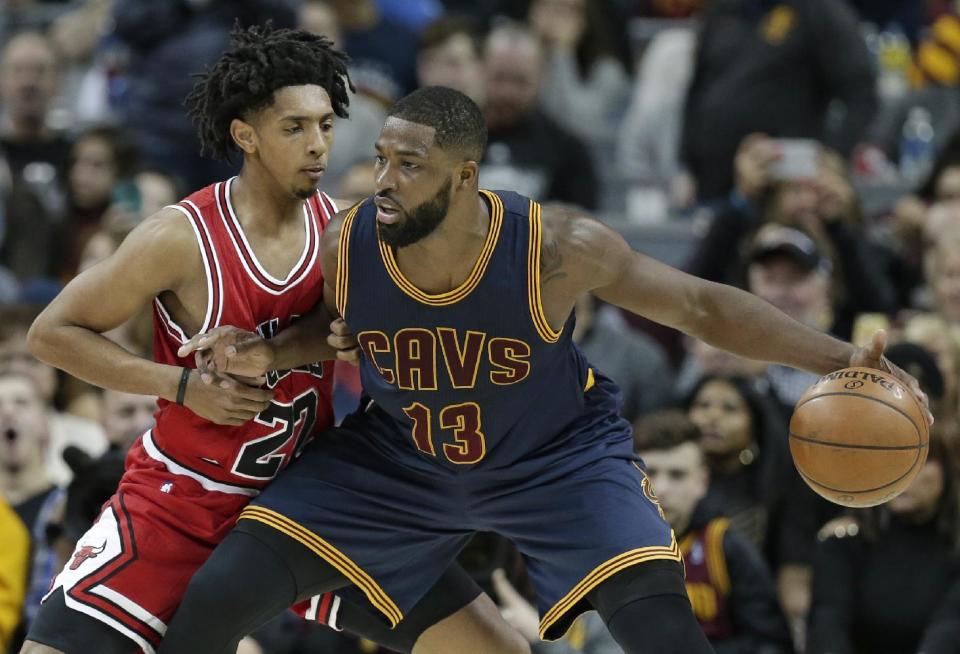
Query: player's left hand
(232, 351)
(871, 356)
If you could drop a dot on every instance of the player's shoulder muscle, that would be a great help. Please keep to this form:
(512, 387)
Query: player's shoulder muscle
(163, 247)
(583, 248)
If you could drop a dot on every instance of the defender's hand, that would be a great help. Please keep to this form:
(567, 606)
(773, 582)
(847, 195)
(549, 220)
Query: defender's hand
(227, 403)
(234, 351)
(342, 339)
(871, 356)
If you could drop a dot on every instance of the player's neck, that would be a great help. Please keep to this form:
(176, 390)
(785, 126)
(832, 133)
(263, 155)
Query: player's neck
(20, 484)
(262, 206)
(457, 239)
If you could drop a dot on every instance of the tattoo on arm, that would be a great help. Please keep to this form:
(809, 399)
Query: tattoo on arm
(551, 262)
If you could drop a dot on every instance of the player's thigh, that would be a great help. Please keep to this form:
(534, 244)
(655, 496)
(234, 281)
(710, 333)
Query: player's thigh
(477, 628)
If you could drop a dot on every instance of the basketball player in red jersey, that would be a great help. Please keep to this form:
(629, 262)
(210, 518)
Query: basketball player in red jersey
(242, 252)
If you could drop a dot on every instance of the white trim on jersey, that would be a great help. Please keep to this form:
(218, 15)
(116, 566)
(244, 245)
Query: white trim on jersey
(212, 317)
(309, 228)
(111, 621)
(332, 204)
(213, 320)
(334, 614)
(311, 613)
(208, 484)
(176, 332)
(131, 607)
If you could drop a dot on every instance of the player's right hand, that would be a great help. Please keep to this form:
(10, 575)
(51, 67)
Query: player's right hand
(234, 351)
(227, 402)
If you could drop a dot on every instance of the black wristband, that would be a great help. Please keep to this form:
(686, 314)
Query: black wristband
(182, 390)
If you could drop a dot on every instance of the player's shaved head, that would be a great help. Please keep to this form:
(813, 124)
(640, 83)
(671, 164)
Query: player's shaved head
(456, 119)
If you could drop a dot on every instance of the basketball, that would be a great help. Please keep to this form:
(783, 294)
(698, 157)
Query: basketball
(858, 437)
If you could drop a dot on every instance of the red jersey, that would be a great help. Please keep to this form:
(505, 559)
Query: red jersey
(239, 461)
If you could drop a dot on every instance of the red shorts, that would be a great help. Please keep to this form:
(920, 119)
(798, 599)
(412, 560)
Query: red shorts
(132, 567)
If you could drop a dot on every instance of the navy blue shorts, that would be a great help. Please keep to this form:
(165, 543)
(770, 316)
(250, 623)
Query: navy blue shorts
(393, 528)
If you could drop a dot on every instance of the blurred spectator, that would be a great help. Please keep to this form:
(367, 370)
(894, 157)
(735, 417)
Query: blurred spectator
(743, 440)
(168, 40)
(942, 271)
(922, 364)
(942, 635)
(102, 166)
(746, 53)
(35, 154)
(821, 203)
(125, 417)
(942, 340)
(449, 55)
(415, 15)
(628, 356)
(355, 136)
(860, 566)
(382, 51)
(23, 476)
(89, 59)
(14, 566)
(585, 85)
(526, 151)
(319, 17)
(728, 582)
(648, 144)
(64, 429)
(944, 180)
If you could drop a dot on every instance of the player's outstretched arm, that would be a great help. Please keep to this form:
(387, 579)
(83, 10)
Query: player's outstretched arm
(159, 255)
(318, 336)
(581, 254)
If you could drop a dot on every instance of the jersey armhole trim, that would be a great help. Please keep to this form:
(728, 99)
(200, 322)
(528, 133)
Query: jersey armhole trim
(343, 262)
(540, 322)
(211, 264)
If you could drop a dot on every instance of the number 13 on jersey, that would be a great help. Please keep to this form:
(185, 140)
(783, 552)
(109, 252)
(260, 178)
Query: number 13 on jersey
(463, 420)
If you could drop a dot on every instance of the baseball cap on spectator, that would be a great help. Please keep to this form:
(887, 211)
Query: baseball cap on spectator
(790, 243)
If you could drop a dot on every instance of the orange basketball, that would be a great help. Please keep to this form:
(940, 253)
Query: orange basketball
(858, 437)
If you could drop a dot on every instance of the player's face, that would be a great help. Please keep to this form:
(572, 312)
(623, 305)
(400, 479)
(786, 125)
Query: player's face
(413, 180)
(23, 423)
(923, 494)
(679, 478)
(723, 417)
(126, 416)
(294, 136)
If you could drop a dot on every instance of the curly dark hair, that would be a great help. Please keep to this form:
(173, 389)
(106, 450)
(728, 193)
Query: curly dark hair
(260, 61)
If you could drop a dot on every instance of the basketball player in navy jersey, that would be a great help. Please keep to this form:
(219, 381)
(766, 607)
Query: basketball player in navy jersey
(240, 252)
(481, 414)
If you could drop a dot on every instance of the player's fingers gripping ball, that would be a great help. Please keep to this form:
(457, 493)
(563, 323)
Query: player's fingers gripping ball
(859, 437)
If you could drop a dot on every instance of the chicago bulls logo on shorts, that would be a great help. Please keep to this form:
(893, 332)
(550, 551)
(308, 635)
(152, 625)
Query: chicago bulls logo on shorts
(86, 552)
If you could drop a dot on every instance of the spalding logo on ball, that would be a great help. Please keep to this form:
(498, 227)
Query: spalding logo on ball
(859, 437)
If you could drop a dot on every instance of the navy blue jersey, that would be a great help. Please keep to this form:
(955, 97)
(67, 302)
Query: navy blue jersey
(475, 376)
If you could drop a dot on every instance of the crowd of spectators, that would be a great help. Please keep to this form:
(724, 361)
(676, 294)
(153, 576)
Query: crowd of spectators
(805, 150)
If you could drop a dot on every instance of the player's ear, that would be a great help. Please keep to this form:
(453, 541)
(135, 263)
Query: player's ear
(467, 174)
(243, 135)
